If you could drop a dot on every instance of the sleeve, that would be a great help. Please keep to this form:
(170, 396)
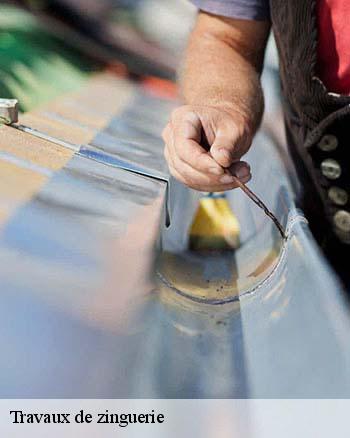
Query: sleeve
(241, 9)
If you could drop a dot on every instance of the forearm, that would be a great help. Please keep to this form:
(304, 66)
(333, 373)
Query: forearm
(206, 138)
(223, 64)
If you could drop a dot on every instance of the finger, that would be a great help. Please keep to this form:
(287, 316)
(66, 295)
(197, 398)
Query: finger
(187, 135)
(207, 188)
(231, 142)
(191, 176)
(203, 181)
(188, 174)
(192, 154)
(189, 122)
(167, 133)
(167, 155)
(240, 169)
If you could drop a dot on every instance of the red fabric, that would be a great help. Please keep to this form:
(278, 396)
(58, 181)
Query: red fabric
(334, 44)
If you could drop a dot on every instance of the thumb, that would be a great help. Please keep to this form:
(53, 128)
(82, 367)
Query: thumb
(225, 149)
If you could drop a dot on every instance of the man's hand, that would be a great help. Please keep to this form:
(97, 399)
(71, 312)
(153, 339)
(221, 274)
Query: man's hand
(204, 145)
(220, 83)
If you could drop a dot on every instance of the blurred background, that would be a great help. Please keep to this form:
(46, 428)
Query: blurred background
(48, 46)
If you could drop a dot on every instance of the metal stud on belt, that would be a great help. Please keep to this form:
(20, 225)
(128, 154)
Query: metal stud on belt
(341, 221)
(331, 168)
(328, 143)
(338, 196)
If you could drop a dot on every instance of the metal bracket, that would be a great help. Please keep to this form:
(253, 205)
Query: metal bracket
(8, 111)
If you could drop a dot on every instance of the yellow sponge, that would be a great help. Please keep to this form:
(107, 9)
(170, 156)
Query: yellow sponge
(214, 227)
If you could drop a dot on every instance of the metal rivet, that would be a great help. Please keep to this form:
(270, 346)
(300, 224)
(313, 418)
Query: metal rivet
(330, 169)
(328, 143)
(342, 221)
(338, 196)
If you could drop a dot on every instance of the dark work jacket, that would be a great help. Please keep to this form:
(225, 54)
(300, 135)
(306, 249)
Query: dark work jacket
(318, 130)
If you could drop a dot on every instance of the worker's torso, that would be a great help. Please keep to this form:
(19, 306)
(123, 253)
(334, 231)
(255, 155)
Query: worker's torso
(333, 46)
(318, 122)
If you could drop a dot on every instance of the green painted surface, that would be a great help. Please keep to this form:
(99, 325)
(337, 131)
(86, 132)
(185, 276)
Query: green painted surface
(36, 65)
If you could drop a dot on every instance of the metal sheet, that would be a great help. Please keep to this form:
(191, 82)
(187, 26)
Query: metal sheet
(84, 315)
(126, 139)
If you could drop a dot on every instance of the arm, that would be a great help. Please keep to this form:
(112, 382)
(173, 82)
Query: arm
(206, 138)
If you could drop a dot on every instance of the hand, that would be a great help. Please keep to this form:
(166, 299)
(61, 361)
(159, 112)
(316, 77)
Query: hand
(204, 145)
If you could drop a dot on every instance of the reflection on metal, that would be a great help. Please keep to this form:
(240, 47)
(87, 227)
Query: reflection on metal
(257, 201)
(114, 161)
(99, 292)
(114, 148)
(210, 278)
(42, 135)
